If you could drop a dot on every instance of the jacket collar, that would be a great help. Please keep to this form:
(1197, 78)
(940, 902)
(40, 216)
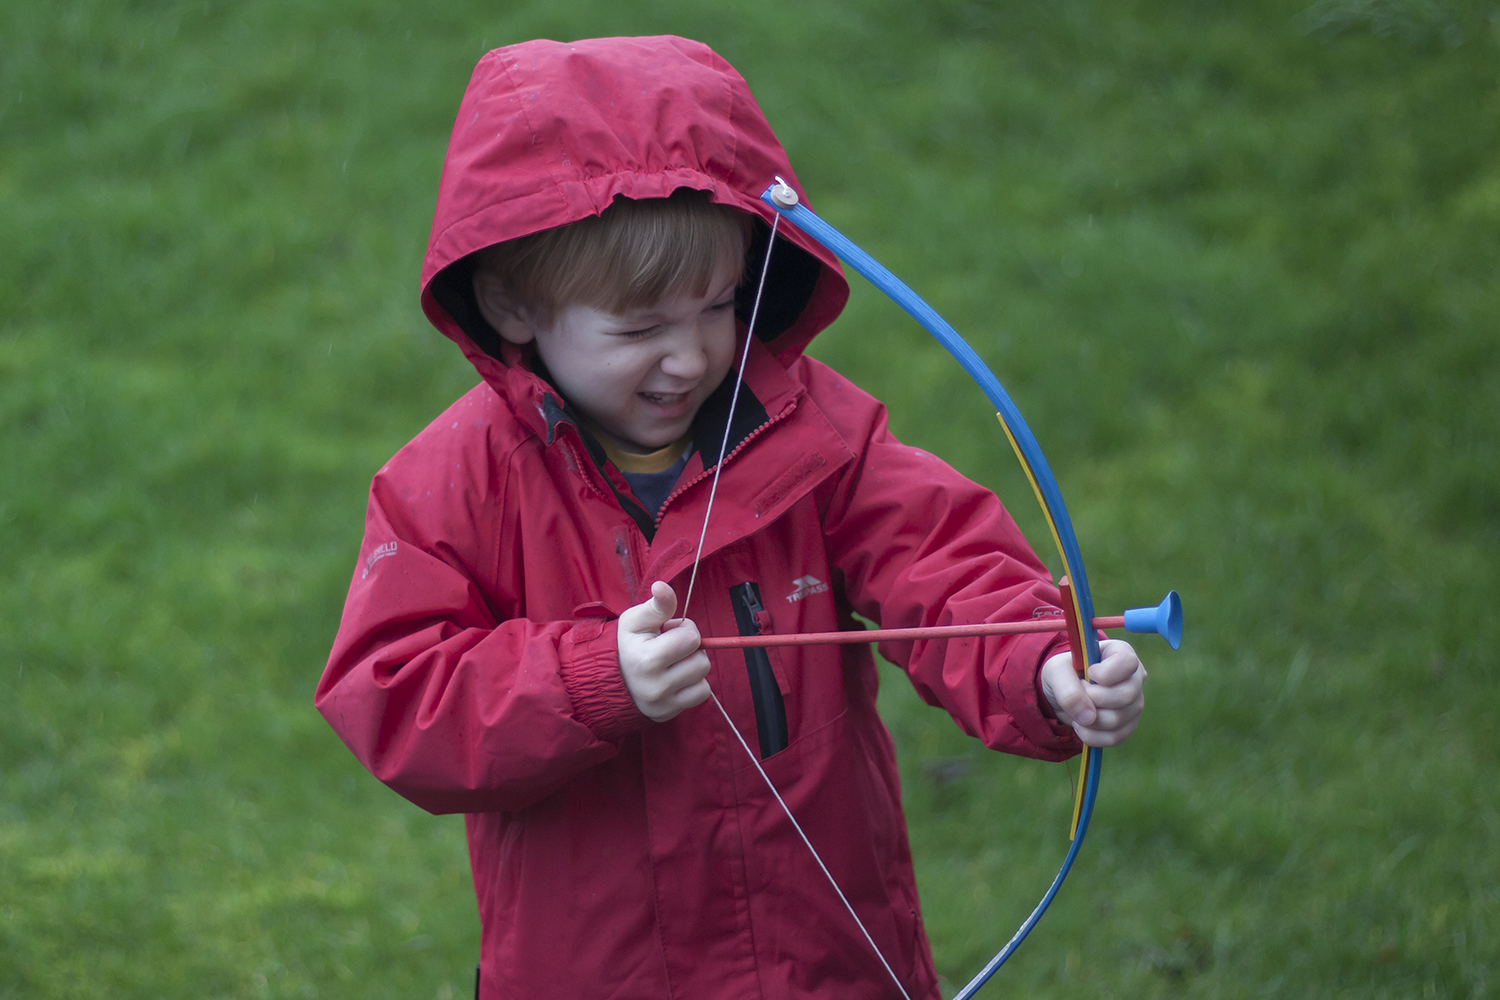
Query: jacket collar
(764, 481)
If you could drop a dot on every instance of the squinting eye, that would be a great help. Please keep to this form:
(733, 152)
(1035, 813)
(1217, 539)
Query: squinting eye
(637, 334)
(721, 306)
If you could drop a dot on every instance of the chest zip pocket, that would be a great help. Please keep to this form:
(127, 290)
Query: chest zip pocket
(770, 710)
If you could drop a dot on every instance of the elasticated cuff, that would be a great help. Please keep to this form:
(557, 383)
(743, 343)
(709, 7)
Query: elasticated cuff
(591, 676)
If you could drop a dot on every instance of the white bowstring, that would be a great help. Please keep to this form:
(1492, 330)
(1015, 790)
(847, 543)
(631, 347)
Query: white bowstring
(812, 850)
(693, 579)
(734, 398)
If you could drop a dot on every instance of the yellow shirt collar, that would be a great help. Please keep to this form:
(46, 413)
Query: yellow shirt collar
(657, 461)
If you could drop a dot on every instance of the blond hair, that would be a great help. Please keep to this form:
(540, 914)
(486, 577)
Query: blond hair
(632, 256)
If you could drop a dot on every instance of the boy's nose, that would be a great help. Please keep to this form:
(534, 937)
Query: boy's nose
(686, 359)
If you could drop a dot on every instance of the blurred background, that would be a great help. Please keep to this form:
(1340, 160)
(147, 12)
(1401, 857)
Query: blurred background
(1239, 264)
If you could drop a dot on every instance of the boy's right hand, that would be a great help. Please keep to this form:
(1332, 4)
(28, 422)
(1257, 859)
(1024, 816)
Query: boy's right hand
(664, 670)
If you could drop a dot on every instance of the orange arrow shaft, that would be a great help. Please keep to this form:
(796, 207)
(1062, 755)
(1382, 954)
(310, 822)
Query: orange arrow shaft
(1057, 624)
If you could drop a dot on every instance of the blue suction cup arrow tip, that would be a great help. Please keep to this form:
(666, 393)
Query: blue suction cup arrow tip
(1165, 619)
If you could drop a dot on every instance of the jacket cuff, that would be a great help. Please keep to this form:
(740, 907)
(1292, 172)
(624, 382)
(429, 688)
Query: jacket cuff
(590, 671)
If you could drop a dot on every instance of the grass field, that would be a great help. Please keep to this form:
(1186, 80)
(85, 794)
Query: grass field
(1239, 264)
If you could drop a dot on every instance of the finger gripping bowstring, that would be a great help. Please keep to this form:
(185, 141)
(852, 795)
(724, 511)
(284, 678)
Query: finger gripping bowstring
(784, 200)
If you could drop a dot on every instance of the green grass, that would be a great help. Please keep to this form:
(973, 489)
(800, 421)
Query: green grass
(1239, 265)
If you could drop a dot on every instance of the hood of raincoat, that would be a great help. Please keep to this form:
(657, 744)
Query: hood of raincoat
(549, 133)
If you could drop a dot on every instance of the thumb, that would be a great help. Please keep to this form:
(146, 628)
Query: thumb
(651, 615)
(1069, 697)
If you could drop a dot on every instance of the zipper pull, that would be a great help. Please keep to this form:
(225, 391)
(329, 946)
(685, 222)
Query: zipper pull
(750, 599)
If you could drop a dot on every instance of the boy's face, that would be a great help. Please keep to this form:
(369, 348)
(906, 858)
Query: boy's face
(641, 377)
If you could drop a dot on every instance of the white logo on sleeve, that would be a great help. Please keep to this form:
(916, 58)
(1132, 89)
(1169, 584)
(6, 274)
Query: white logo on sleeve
(806, 587)
(380, 552)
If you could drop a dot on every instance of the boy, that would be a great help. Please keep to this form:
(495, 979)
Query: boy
(508, 649)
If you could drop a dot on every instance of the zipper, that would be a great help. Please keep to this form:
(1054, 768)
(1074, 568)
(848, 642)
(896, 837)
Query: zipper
(709, 470)
(588, 470)
(765, 693)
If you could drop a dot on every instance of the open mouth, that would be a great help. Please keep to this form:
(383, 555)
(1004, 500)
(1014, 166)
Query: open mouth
(664, 398)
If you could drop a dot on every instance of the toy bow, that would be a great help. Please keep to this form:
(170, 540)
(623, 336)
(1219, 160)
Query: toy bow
(1085, 640)
(1081, 625)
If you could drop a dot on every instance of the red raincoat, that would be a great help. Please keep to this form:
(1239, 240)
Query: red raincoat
(475, 668)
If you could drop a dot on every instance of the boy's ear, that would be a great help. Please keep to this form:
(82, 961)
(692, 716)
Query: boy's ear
(507, 319)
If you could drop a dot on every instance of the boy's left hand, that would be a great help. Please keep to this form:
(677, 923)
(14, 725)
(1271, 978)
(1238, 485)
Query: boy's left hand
(1105, 712)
